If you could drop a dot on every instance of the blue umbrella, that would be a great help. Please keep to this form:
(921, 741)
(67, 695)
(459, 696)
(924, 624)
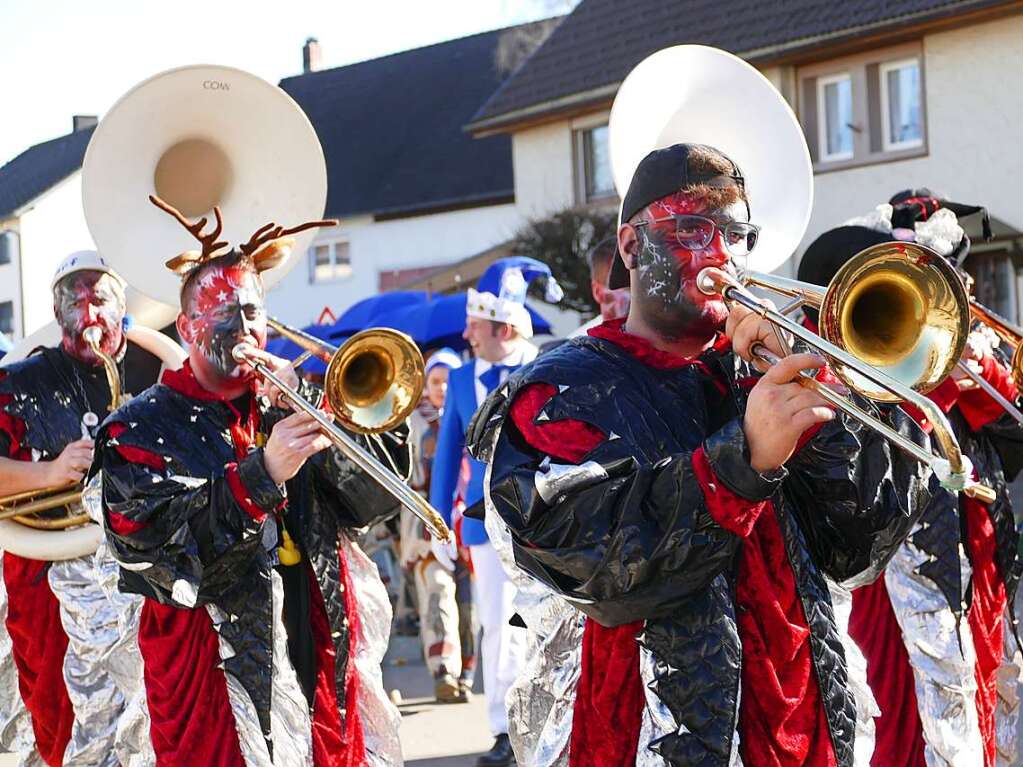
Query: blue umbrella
(440, 322)
(367, 312)
(289, 350)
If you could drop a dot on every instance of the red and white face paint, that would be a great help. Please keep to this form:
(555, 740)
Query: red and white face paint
(85, 299)
(667, 295)
(226, 309)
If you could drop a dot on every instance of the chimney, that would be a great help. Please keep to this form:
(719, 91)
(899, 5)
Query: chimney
(310, 55)
(81, 122)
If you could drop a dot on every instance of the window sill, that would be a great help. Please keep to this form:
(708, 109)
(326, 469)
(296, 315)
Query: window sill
(877, 158)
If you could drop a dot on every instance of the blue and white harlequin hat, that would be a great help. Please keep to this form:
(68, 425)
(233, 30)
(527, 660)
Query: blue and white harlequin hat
(500, 294)
(84, 261)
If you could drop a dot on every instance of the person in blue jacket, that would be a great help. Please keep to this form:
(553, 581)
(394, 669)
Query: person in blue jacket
(498, 328)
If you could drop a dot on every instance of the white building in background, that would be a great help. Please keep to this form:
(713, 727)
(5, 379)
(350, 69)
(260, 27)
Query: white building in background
(413, 191)
(925, 95)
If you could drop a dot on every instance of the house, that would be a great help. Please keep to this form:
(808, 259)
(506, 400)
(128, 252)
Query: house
(890, 95)
(414, 192)
(41, 221)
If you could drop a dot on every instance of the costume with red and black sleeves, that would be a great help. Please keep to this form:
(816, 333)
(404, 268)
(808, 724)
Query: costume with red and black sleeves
(935, 677)
(63, 618)
(246, 659)
(701, 581)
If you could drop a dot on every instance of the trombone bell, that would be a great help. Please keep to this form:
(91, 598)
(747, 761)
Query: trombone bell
(375, 380)
(900, 309)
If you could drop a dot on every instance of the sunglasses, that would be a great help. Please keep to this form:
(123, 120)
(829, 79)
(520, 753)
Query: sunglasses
(697, 232)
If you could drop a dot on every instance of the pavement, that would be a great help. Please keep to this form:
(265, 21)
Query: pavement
(432, 734)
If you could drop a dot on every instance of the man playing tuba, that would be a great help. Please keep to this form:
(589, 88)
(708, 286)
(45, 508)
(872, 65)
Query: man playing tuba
(263, 625)
(65, 618)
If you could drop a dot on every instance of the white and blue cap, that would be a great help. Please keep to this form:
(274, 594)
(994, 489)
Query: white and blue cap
(84, 261)
(445, 357)
(500, 295)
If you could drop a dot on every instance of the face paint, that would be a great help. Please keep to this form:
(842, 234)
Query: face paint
(227, 309)
(614, 304)
(668, 296)
(84, 299)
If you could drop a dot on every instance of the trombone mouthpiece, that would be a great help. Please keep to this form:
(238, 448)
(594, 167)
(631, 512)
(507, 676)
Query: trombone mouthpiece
(709, 281)
(241, 352)
(92, 335)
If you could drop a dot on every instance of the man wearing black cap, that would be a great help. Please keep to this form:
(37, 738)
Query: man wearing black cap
(936, 677)
(672, 513)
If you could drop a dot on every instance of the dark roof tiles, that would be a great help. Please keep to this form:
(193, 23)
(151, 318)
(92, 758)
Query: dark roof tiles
(39, 168)
(598, 44)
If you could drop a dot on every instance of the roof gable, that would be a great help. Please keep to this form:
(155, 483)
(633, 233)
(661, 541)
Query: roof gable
(392, 129)
(40, 168)
(596, 46)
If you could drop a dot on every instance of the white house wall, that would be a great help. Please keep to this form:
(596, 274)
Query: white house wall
(381, 246)
(974, 113)
(50, 230)
(544, 169)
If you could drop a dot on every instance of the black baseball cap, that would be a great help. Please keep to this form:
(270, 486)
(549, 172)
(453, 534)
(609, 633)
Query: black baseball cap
(659, 174)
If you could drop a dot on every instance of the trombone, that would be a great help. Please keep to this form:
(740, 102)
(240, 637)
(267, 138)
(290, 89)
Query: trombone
(894, 323)
(372, 384)
(1012, 336)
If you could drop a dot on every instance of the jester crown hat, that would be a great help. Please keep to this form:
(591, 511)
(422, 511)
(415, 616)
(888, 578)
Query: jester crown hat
(500, 294)
(268, 246)
(921, 216)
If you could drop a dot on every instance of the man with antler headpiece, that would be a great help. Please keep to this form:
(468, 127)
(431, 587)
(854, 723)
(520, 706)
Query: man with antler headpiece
(60, 654)
(263, 626)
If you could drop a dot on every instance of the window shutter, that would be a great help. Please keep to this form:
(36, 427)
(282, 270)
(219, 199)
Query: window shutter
(874, 109)
(809, 103)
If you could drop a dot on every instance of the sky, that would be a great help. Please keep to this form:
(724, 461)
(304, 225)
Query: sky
(60, 58)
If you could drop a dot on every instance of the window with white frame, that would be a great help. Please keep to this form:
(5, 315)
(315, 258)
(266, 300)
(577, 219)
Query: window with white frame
(865, 108)
(594, 165)
(329, 261)
(835, 107)
(7, 317)
(901, 108)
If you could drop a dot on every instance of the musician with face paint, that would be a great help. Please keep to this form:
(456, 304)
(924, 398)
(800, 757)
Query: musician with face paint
(65, 618)
(669, 513)
(263, 624)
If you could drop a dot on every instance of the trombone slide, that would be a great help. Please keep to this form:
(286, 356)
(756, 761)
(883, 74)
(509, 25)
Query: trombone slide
(354, 452)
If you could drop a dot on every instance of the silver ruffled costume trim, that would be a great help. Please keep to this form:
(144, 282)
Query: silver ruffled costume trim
(380, 718)
(856, 663)
(290, 727)
(946, 685)
(1007, 710)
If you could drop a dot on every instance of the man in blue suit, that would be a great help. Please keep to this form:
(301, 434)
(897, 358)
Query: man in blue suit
(498, 329)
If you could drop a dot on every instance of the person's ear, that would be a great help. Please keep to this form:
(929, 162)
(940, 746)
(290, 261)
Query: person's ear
(184, 327)
(628, 245)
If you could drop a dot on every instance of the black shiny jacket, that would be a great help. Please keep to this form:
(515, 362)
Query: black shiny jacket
(641, 544)
(196, 545)
(49, 392)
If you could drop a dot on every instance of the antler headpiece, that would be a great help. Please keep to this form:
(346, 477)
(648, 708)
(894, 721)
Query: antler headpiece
(268, 246)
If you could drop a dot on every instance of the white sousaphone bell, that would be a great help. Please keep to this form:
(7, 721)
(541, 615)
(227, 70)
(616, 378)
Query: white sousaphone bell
(699, 95)
(198, 137)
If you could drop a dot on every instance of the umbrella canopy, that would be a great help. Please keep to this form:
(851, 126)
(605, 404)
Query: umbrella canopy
(367, 312)
(439, 322)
